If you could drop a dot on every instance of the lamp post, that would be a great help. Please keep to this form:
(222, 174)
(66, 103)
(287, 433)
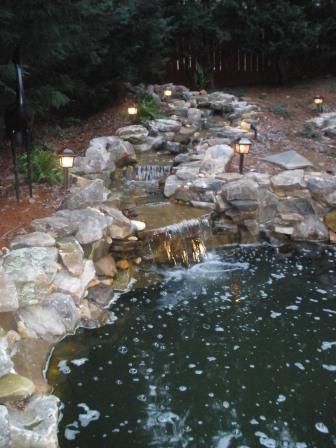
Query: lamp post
(66, 158)
(318, 101)
(167, 92)
(132, 110)
(242, 147)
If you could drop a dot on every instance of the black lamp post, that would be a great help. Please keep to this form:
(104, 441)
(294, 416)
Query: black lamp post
(67, 158)
(242, 147)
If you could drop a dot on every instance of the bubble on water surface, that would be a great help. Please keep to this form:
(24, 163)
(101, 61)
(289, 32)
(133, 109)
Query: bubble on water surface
(321, 427)
(330, 368)
(63, 367)
(88, 416)
(123, 349)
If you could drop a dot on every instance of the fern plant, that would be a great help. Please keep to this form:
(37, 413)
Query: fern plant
(148, 107)
(45, 166)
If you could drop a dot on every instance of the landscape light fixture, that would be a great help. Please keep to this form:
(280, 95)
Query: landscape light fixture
(242, 147)
(66, 159)
(168, 92)
(318, 101)
(132, 110)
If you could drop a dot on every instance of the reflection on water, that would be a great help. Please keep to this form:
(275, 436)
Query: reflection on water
(237, 351)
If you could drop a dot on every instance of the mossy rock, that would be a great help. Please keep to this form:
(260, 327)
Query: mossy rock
(15, 387)
(330, 220)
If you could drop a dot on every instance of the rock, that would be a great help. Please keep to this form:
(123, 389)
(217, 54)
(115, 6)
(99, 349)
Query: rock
(138, 225)
(290, 160)
(15, 387)
(207, 185)
(92, 194)
(185, 134)
(6, 364)
(185, 173)
(52, 319)
(330, 220)
(218, 101)
(85, 166)
(174, 147)
(42, 411)
(69, 284)
(284, 230)
(268, 204)
(261, 178)
(151, 144)
(163, 125)
(123, 265)
(32, 270)
(300, 206)
(195, 117)
(322, 187)
(229, 133)
(72, 255)
(216, 160)
(113, 150)
(240, 190)
(106, 266)
(311, 229)
(120, 227)
(8, 295)
(288, 182)
(171, 186)
(34, 239)
(98, 249)
(4, 428)
(135, 134)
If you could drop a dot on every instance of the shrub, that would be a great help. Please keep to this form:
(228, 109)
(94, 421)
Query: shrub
(309, 132)
(45, 166)
(148, 107)
(281, 110)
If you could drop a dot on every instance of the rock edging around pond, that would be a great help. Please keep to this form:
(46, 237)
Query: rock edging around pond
(45, 276)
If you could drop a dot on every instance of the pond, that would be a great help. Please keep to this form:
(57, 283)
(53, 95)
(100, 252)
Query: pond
(237, 351)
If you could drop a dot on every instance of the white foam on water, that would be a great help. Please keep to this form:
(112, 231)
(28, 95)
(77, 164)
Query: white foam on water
(88, 416)
(63, 367)
(327, 345)
(79, 362)
(321, 427)
(330, 368)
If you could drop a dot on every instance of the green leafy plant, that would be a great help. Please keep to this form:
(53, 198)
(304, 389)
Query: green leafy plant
(45, 166)
(281, 110)
(309, 132)
(148, 107)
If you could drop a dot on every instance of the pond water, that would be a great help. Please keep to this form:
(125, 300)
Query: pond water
(237, 351)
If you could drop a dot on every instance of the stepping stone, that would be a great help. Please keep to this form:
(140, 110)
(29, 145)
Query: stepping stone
(289, 160)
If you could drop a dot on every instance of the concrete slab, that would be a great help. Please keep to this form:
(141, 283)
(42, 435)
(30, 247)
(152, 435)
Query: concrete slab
(289, 160)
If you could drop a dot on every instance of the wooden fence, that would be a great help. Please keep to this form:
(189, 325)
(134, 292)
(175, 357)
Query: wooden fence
(228, 65)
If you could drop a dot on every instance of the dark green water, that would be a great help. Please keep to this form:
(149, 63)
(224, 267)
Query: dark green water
(238, 351)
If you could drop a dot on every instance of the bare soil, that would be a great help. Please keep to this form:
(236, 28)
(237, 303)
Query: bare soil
(284, 111)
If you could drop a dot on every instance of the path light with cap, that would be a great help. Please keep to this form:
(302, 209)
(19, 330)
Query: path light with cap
(66, 159)
(242, 146)
(168, 92)
(318, 101)
(132, 110)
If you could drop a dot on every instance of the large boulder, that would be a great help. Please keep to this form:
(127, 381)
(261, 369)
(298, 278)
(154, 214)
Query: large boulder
(216, 160)
(163, 125)
(121, 227)
(8, 294)
(240, 190)
(93, 193)
(172, 184)
(195, 117)
(75, 286)
(33, 271)
(52, 319)
(111, 150)
(322, 187)
(43, 412)
(135, 134)
(311, 229)
(87, 165)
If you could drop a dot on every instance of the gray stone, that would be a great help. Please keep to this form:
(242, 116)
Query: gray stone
(15, 387)
(268, 204)
(186, 173)
(52, 319)
(322, 187)
(216, 160)
(174, 147)
(240, 190)
(106, 266)
(300, 206)
(151, 144)
(8, 294)
(75, 286)
(34, 239)
(207, 184)
(172, 184)
(195, 117)
(6, 364)
(163, 125)
(185, 134)
(289, 160)
(262, 179)
(72, 255)
(218, 101)
(135, 134)
(37, 425)
(231, 134)
(85, 166)
(32, 270)
(311, 229)
(94, 193)
(4, 428)
(121, 152)
(120, 227)
(288, 182)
